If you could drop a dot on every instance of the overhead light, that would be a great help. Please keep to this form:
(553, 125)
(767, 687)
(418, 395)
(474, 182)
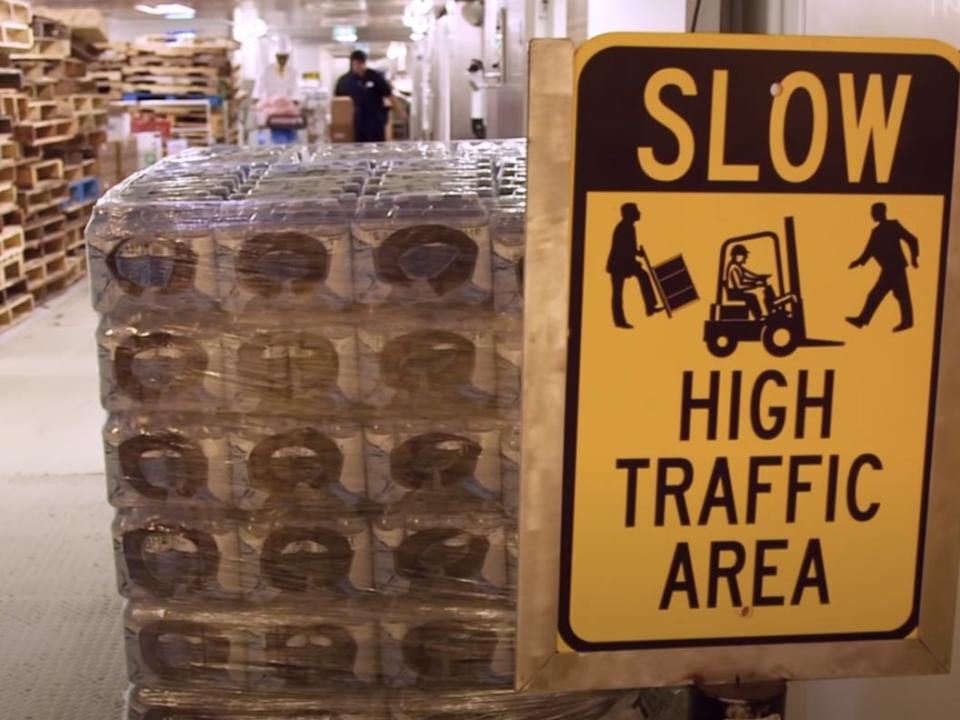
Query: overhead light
(345, 33)
(417, 36)
(169, 11)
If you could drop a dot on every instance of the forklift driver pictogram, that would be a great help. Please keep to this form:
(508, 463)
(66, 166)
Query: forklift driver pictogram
(751, 306)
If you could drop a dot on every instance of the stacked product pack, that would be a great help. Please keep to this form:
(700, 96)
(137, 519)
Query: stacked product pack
(311, 361)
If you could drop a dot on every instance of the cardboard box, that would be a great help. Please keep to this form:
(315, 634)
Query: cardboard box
(341, 111)
(118, 158)
(341, 120)
(341, 133)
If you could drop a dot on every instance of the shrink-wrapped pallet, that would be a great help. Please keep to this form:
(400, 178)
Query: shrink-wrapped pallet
(311, 362)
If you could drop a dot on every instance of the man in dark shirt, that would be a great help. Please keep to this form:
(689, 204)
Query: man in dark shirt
(371, 94)
(884, 247)
(623, 263)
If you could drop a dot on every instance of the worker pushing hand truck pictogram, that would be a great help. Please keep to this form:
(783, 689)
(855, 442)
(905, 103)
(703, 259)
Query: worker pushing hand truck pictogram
(665, 287)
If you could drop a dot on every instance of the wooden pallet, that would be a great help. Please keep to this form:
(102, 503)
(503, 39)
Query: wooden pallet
(15, 36)
(43, 91)
(33, 201)
(77, 216)
(51, 219)
(11, 270)
(11, 218)
(45, 48)
(15, 105)
(11, 79)
(48, 27)
(49, 70)
(216, 63)
(75, 239)
(187, 89)
(40, 110)
(46, 132)
(91, 121)
(8, 200)
(12, 241)
(60, 274)
(113, 76)
(40, 174)
(8, 173)
(77, 262)
(85, 206)
(86, 103)
(46, 247)
(41, 270)
(92, 138)
(171, 70)
(36, 72)
(75, 86)
(15, 11)
(15, 303)
(45, 242)
(173, 87)
(74, 171)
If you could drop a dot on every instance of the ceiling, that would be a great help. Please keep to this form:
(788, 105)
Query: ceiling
(376, 21)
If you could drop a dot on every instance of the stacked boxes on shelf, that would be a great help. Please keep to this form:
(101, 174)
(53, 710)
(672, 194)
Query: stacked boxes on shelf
(311, 364)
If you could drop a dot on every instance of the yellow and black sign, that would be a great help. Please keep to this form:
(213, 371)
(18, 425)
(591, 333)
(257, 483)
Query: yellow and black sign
(759, 248)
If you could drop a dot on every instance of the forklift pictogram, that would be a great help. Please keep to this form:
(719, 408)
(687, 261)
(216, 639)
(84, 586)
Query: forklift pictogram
(752, 307)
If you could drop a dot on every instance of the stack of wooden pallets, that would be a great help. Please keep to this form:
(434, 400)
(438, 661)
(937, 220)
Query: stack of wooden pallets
(16, 35)
(52, 123)
(181, 74)
(107, 70)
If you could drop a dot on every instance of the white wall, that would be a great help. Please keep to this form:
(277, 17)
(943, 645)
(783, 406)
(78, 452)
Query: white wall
(938, 19)
(506, 98)
(464, 45)
(605, 16)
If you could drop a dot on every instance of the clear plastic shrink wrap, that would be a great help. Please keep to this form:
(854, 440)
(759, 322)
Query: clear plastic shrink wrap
(311, 363)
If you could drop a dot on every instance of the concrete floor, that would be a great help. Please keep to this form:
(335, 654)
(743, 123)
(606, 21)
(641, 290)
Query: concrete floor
(60, 632)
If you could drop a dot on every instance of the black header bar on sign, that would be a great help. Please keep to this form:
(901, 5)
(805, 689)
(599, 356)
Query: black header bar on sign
(614, 120)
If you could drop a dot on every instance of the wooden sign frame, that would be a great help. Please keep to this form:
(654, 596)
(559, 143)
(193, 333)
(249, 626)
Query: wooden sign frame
(540, 665)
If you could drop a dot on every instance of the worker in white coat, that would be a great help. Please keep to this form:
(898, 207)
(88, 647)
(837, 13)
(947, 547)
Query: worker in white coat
(278, 97)
(478, 87)
(278, 80)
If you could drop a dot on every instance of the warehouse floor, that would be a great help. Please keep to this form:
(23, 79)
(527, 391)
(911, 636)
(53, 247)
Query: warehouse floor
(60, 632)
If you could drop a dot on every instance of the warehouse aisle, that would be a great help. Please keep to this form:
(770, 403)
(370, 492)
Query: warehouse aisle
(59, 612)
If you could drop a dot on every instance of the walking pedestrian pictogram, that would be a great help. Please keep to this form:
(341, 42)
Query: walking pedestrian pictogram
(885, 247)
